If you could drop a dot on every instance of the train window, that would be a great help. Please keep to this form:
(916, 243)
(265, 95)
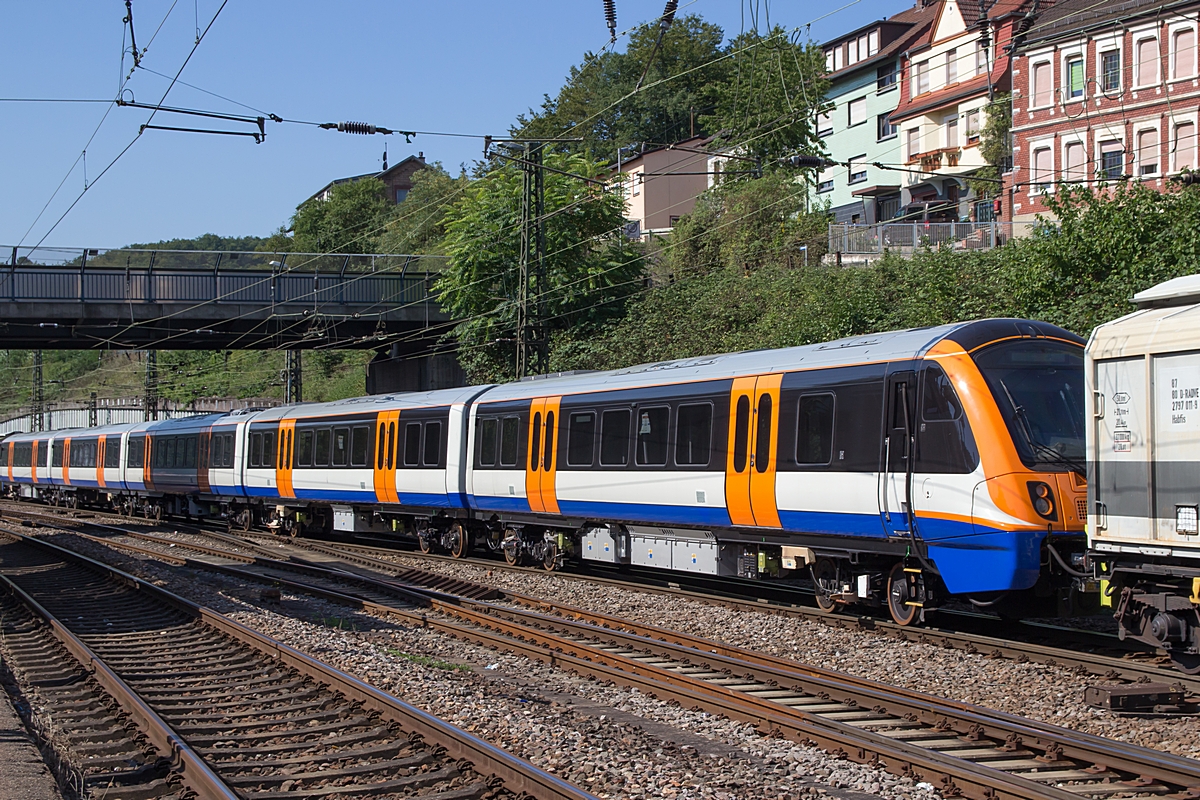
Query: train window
(112, 452)
(814, 429)
(614, 438)
(535, 450)
(741, 433)
(652, 436)
(762, 442)
(165, 455)
(412, 444)
(433, 444)
(945, 443)
(268, 456)
(191, 443)
(216, 451)
(304, 452)
(135, 452)
(42, 452)
(290, 459)
(358, 445)
(4, 455)
(56, 454)
(548, 447)
(485, 442)
(938, 400)
(341, 446)
(581, 439)
(379, 449)
(510, 441)
(256, 449)
(321, 454)
(391, 446)
(693, 434)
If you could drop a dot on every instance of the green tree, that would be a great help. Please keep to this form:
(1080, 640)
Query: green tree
(599, 102)
(418, 225)
(767, 109)
(995, 145)
(590, 267)
(350, 221)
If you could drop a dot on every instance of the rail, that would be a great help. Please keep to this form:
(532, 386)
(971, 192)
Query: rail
(137, 276)
(906, 237)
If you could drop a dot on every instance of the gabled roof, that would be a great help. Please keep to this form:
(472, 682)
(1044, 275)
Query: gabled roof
(381, 175)
(919, 18)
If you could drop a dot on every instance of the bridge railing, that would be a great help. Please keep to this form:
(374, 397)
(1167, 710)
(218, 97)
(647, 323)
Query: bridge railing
(193, 276)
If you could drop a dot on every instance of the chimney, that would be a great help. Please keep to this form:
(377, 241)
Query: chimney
(421, 155)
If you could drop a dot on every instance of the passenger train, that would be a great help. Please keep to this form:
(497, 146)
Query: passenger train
(896, 469)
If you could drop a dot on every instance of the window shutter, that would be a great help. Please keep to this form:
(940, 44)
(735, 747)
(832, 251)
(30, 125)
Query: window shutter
(1147, 62)
(1041, 85)
(1185, 145)
(1185, 54)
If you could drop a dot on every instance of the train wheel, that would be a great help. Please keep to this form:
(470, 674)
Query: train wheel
(900, 594)
(73, 500)
(425, 544)
(460, 541)
(824, 575)
(513, 553)
(550, 557)
(157, 512)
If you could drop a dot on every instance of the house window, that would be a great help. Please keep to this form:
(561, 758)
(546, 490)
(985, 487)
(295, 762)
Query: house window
(1074, 162)
(1147, 62)
(856, 111)
(1074, 78)
(1110, 71)
(920, 78)
(951, 67)
(972, 127)
(825, 124)
(825, 181)
(401, 194)
(857, 169)
(1147, 152)
(981, 66)
(913, 143)
(1042, 84)
(837, 58)
(829, 61)
(885, 128)
(885, 77)
(852, 52)
(1184, 146)
(951, 124)
(872, 43)
(1183, 54)
(1112, 160)
(1043, 169)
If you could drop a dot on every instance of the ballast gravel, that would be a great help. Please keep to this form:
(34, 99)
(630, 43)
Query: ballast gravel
(1036, 691)
(613, 742)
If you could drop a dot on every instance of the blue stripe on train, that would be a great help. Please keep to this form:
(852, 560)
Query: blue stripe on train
(498, 503)
(646, 512)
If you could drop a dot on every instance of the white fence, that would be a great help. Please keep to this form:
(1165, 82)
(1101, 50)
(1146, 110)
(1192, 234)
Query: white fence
(119, 411)
(908, 236)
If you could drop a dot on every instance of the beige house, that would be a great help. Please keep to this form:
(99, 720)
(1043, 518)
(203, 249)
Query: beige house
(661, 185)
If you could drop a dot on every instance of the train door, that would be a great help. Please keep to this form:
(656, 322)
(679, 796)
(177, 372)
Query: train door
(101, 447)
(541, 471)
(285, 446)
(898, 451)
(1120, 406)
(387, 456)
(751, 459)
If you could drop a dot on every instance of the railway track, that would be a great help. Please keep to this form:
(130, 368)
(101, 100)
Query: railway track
(965, 750)
(1089, 653)
(241, 715)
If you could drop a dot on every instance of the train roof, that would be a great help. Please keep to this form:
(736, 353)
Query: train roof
(1167, 320)
(372, 404)
(912, 343)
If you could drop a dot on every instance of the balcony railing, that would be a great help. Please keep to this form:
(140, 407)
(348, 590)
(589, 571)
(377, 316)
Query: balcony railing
(905, 237)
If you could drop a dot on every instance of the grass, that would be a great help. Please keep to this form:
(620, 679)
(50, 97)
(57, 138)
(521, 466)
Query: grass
(427, 661)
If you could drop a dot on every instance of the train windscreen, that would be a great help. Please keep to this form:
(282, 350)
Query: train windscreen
(1038, 385)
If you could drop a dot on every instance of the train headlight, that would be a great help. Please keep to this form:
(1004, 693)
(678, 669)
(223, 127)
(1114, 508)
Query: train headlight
(1043, 500)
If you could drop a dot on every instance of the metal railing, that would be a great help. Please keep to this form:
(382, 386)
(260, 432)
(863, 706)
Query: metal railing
(119, 411)
(199, 276)
(909, 236)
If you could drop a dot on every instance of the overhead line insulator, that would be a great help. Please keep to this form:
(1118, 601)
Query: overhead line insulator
(610, 16)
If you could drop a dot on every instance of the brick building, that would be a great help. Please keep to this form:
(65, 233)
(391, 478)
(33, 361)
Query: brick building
(1103, 91)
(397, 179)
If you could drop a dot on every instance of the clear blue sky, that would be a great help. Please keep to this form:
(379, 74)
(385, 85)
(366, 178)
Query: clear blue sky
(458, 65)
